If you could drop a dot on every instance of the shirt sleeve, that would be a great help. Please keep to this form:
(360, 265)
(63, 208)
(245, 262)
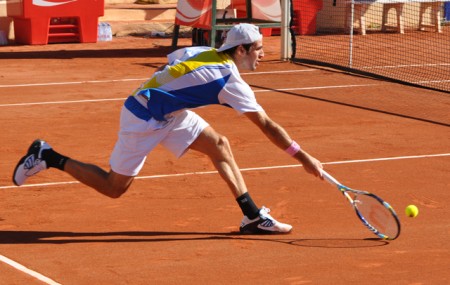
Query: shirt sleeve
(238, 94)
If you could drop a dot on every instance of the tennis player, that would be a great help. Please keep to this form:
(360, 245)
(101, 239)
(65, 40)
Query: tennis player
(159, 112)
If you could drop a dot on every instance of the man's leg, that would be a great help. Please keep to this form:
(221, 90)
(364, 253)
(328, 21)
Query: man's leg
(255, 220)
(110, 184)
(41, 156)
(218, 149)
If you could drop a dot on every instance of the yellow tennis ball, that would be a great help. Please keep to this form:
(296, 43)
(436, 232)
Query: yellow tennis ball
(411, 211)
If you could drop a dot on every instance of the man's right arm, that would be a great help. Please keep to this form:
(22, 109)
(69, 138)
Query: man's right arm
(278, 136)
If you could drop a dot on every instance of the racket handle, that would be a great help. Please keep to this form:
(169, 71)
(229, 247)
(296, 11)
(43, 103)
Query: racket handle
(330, 179)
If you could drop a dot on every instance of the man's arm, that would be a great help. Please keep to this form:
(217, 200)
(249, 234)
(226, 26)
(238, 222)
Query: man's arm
(278, 136)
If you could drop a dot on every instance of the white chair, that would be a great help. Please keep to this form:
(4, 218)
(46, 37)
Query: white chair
(359, 15)
(435, 16)
(399, 26)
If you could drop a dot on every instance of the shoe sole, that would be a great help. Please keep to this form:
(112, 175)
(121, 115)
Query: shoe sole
(254, 230)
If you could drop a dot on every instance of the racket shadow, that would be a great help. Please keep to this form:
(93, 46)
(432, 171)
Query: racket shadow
(55, 237)
(340, 243)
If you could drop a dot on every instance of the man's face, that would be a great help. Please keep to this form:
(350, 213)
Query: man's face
(249, 60)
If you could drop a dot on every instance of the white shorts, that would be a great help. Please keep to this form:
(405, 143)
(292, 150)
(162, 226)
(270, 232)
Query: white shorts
(138, 137)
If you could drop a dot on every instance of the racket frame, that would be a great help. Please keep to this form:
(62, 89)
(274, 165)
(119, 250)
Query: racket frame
(346, 190)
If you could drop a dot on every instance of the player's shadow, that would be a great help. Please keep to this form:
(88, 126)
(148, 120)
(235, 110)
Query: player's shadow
(53, 237)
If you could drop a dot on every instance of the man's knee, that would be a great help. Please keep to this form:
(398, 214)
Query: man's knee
(213, 144)
(117, 184)
(223, 146)
(222, 142)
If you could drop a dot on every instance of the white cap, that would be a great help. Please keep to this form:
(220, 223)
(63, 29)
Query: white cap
(241, 34)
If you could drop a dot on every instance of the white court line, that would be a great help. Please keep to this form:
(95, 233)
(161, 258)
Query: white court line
(432, 81)
(61, 102)
(405, 65)
(279, 71)
(317, 87)
(130, 79)
(121, 99)
(71, 82)
(30, 272)
(244, 169)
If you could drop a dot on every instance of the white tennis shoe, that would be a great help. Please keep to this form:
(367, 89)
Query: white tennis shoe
(31, 163)
(264, 224)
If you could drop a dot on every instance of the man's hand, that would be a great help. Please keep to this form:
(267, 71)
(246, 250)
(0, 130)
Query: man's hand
(311, 164)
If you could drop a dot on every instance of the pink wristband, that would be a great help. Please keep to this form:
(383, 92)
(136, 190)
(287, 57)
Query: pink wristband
(292, 149)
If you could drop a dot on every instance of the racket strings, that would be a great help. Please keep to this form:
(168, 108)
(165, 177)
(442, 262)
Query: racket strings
(377, 216)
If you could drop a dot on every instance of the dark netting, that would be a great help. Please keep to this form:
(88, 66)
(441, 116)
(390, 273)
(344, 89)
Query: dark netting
(403, 40)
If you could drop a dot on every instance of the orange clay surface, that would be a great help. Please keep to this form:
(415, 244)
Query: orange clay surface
(178, 222)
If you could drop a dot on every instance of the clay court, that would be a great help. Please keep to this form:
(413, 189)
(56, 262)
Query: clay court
(178, 223)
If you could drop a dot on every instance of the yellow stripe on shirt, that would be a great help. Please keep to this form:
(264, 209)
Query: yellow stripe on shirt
(207, 58)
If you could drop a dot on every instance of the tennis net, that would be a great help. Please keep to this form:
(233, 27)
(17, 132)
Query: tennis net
(401, 40)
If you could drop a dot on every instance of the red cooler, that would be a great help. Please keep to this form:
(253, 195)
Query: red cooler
(40, 22)
(306, 15)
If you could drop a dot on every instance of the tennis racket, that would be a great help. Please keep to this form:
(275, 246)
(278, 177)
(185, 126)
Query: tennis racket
(376, 214)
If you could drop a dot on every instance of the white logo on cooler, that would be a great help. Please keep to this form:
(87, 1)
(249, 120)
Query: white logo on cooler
(44, 3)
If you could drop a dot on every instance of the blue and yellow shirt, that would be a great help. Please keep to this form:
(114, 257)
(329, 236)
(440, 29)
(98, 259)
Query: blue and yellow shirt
(194, 77)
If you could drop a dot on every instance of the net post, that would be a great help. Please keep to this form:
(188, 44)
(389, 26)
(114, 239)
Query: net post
(284, 31)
